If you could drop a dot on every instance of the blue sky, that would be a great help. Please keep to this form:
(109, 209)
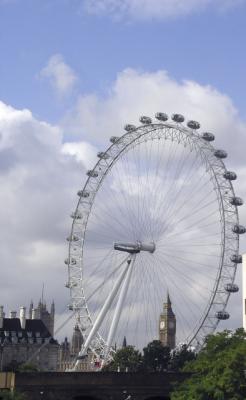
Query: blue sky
(72, 73)
(206, 46)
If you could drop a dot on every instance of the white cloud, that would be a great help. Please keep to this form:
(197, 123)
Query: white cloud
(136, 93)
(38, 192)
(155, 9)
(61, 75)
(83, 152)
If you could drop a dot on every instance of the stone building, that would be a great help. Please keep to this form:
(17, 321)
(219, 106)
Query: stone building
(68, 353)
(167, 325)
(28, 338)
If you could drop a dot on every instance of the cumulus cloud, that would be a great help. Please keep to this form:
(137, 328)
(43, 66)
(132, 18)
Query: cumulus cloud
(60, 75)
(38, 192)
(136, 93)
(155, 9)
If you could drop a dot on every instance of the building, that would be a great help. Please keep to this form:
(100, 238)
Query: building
(167, 325)
(28, 338)
(68, 353)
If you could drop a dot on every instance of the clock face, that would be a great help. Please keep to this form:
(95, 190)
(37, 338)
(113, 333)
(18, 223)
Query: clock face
(162, 324)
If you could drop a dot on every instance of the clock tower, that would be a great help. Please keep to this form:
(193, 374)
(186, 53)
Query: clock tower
(167, 325)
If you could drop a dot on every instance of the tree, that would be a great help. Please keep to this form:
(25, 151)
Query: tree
(156, 356)
(180, 356)
(28, 368)
(126, 359)
(12, 395)
(218, 371)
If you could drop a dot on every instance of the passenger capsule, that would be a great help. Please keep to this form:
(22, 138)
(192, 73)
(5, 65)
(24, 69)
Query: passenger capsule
(220, 153)
(236, 258)
(114, 139)
(103, 155)
(76, 215)
(230, 176)
(129, 127)
(83, 193)
(161, 116)
(222, 315)
(236, 201)
(209, 137)
(239, 229)
(178, 118)
(70, 285)
(193, 124)
(231, 288)
(92, 173)
(71, 261)
(70, 307)
(73, 238)
(145, 120)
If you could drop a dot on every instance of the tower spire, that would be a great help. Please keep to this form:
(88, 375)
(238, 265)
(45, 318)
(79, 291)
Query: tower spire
(42, 297)
(168, 298)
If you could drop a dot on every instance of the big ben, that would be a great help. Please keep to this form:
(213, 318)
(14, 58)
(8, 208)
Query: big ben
(167, 325)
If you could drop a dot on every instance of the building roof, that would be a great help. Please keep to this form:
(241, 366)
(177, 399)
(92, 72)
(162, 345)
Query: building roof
(35, 332)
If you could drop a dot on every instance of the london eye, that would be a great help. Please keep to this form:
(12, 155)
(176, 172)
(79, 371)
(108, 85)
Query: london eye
(157, 214)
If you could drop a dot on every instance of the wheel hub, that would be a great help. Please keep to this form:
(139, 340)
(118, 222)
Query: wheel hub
(134, 248)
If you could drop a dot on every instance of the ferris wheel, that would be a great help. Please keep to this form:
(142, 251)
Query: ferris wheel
(157, 214)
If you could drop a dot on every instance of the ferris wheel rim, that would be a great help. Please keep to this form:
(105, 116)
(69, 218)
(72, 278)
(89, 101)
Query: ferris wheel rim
(193, 139)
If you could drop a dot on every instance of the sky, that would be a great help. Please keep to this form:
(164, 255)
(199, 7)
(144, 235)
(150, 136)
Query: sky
(72, 73)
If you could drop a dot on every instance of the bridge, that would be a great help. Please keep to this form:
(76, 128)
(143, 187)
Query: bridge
(92, 385)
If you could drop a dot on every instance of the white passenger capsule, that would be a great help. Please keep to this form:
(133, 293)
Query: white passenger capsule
(222, 315)
(145, 120)
(209, 137)
(179, 118)
(231, 288)
(92, 173)
(239, 229)
(76, 215)
(220, 153)
(236, 258)
(230, 176)
(71, 261)
(73, 238)
(161, 116)
(83, 193)
(114, 139)
(129, 127)
(193, 124)
(236, 201)
(103, 155)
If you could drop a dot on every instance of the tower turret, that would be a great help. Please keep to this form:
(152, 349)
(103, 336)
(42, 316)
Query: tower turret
(30, 310)
(77, 340)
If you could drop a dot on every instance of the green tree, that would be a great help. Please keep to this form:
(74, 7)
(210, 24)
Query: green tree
(28, 368)
(180, 356)
(156, 356)
(11, 395)
(218, 371)
(125, 359)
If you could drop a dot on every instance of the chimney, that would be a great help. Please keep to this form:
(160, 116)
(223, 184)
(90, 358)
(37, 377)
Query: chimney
(23, 317)
(1, 317)
(35, 313)
(12, 314)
